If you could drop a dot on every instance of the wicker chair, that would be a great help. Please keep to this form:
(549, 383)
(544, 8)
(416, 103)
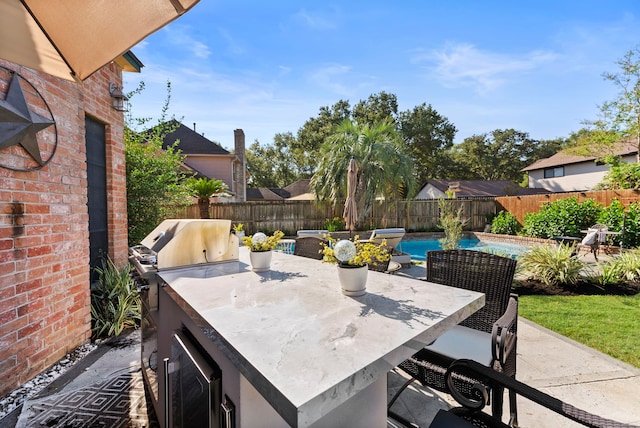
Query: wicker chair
(488, 336)
(471, 415)
(310, 246)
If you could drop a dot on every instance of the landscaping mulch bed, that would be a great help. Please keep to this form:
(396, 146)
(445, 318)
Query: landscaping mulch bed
(530, 287)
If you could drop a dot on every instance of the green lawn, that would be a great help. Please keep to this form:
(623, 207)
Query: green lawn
(610, 324)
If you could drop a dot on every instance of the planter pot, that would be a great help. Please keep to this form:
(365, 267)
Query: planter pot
(240, 235)
(260, 260)
(353, 280)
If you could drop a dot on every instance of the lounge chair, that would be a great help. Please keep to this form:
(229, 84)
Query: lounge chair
(313, 232)
(392, 235)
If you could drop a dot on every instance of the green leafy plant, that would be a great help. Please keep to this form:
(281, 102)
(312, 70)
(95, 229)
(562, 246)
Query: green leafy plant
(115, 301)
(505, 223)
(346, 252)
(621, 219)
(238, 227)
(335, 224)
(622, 268)
(564, 217)
(451, 222)
(262, 242)
(155, 177)
(552, 264)
(203, 189)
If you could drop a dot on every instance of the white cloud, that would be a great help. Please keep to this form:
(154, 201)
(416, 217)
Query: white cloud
(315, 20)
(331, 78)
(181, 36)
(463, 65)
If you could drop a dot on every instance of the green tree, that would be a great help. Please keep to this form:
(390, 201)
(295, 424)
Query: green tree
(384, 168)
(500, 155)
(155, 180)
(428, 136)
(619, 118)
(277, 164)
(376, 109)
(203, 189)
(316, 129)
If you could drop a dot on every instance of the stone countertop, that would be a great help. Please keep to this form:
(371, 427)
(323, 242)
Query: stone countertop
(301, 343)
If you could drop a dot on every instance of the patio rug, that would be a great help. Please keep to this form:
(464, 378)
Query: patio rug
(115, 402)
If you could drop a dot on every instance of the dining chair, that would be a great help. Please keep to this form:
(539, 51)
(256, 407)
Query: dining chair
(488, 336)
(470, 413)
(310, 247)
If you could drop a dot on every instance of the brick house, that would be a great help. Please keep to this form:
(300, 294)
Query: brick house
(208, 159)
(55, 220)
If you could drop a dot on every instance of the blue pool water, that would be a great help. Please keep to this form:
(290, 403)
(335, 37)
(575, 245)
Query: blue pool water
(418, 248)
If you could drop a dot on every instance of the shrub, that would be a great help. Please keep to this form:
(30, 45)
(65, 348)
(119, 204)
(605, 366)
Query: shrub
(334, 224)
(505, 223)
(115, 301)
(622, 268)
(451, 222)
(564, 217)
(552, 264)
(618, 219)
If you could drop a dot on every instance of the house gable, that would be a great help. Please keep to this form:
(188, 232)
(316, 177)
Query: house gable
(565, 172)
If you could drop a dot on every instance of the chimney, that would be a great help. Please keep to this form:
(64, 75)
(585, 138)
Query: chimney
(240, 179)
(194, 127)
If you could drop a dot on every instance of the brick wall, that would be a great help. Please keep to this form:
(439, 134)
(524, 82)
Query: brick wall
(44, 237)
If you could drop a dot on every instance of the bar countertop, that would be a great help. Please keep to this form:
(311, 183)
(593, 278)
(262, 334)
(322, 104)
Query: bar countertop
(305, 346)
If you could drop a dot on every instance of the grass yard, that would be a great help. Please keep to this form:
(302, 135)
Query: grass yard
(608, 323)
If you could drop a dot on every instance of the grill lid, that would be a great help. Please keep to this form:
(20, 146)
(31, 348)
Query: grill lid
(179, 242)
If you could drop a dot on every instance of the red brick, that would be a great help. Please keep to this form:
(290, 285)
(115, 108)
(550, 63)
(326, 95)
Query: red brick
(44, 274)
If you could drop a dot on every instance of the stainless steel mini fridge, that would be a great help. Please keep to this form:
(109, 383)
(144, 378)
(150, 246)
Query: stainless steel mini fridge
(195, 385)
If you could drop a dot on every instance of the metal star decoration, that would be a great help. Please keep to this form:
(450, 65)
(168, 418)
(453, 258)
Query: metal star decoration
(19, 125)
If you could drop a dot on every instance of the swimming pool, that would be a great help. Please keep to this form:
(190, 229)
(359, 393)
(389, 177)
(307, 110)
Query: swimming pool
(418, 248)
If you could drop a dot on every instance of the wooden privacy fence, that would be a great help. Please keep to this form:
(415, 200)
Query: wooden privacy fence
(520, 205)
(290, 216)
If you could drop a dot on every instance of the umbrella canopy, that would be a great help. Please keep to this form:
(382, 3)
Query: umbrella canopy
(72, 39)
(350, 209)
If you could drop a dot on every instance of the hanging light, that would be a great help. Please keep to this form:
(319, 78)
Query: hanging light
(119, 101)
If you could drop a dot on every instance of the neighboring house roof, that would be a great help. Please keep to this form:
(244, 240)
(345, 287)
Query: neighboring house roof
(192, 143)
(564, 158)
(295, 191)
(262, 194)
(298, 188)
(483, 188)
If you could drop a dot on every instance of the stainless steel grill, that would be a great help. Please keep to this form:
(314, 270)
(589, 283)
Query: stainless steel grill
(173, 244)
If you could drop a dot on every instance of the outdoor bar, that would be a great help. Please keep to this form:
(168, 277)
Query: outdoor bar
(285, 347)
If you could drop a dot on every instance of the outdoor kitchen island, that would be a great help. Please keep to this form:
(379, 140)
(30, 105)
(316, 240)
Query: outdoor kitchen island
(290, 348)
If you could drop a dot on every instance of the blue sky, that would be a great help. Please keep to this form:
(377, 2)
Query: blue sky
(267, 67)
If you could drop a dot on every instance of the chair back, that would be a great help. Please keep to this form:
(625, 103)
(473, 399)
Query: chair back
(477, 271)
(310, 246)
(381, 266)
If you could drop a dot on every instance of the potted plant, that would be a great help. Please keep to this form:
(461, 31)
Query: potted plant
(238, 230)
(352, 259)
(261, 249)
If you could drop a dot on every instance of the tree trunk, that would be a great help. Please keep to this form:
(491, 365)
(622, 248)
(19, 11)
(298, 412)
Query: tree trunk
(203, 205)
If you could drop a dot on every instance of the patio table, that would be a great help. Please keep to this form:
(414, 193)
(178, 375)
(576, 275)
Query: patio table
(306, 354)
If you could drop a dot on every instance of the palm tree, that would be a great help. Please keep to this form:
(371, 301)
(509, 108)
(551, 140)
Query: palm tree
(385, 169)
(203, 189)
